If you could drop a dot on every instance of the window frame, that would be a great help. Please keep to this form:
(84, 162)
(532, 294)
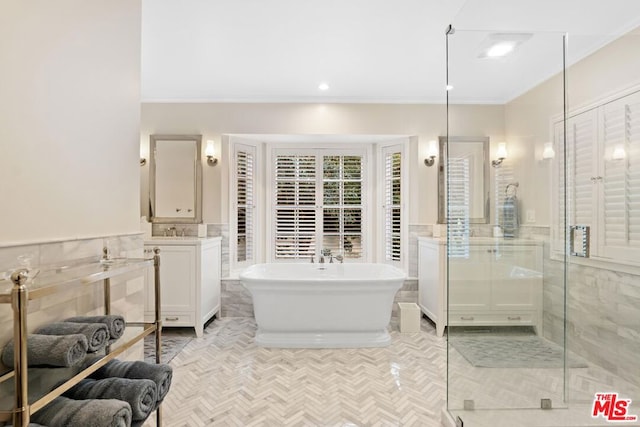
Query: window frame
(256, 149)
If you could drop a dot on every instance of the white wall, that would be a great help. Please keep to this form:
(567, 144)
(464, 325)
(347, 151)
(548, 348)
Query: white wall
(69, 118)
(527, 118)
(426, 122)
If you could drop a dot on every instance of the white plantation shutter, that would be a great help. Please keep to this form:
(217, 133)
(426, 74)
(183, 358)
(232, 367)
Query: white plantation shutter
(318, 204)
(582, 164)
(342, 212)
(620, 187)
(458, 173)
(559, 191)
(393, 205)
(245, 204)
(295, 206)
(580, 153)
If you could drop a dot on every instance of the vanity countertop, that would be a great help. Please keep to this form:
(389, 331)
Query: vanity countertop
(187, 240)
(484, 241)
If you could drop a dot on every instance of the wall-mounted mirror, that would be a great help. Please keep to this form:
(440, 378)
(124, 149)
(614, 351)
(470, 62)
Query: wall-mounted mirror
(175, 181)
(467, 160)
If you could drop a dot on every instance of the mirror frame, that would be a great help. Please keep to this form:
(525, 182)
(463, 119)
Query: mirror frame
(442, 176)
(197, 188)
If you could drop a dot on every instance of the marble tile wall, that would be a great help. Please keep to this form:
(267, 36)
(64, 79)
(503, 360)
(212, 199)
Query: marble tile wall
(127, 291)
(603, 316)
(236, 300)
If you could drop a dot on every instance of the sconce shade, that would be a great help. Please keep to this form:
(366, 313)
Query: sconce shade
(210, 154)
(618, 153)
(432, 153)
(501, 154)
(548, 152)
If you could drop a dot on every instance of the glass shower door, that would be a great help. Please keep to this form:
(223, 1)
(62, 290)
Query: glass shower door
(506, 334)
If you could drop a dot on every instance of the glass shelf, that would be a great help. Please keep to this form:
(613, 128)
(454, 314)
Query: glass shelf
(63, 278)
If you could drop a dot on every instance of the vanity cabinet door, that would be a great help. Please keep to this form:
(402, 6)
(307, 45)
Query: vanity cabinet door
(178, 278)
(516, 278)
(469, 280)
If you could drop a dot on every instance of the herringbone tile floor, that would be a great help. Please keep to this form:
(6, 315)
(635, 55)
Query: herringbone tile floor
(224, 379)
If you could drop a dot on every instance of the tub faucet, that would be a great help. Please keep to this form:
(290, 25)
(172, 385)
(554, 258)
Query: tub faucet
(339, 258)
(171, 231)
(321, 261)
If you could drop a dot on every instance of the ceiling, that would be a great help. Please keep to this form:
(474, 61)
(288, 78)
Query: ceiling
(374, 51)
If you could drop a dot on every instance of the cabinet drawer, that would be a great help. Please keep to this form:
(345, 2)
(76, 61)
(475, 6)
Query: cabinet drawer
(177, 319)
(494, 319)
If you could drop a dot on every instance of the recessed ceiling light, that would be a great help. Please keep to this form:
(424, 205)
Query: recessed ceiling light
(500, 49)
(323, 86)
(498, 45)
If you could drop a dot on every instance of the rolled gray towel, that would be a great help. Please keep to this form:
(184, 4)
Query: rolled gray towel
(115, 323)
(160, 374)
(97, 333)
(141, 394)
(53, 350)
(65, 412)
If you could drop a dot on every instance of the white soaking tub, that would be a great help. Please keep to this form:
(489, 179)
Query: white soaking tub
(322, 305)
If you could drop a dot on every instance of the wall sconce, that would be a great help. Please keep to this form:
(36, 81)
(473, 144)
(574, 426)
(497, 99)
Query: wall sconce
(432, 153)
(501, 154)
(618, 153)
(548, 152)
(143, 159)
(209, 152)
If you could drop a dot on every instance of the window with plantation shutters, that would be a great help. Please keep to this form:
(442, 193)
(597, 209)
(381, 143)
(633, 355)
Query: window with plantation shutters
(318, 204)
(244, 206)
(602, 188)
(392, 205)
(580, 175)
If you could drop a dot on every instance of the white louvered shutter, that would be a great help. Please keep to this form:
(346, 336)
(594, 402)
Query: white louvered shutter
(392, 205)
(295, 206)
(579, 156)
(458, 175)
(342, 207)
(245, 204)
(620, 188)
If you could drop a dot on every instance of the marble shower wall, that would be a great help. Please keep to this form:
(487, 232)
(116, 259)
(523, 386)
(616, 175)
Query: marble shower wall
(603, 316)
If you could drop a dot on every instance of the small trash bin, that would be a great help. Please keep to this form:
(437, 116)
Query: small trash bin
(409, 317)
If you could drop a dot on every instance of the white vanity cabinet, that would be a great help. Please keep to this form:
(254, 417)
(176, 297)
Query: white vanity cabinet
(492, 282)
(432, 280)
(189, 281)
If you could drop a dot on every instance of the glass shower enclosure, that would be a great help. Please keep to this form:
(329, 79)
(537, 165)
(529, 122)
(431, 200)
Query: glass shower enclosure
(543, 291)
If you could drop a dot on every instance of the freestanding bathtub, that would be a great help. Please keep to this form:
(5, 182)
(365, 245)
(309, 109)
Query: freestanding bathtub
(322, 305)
